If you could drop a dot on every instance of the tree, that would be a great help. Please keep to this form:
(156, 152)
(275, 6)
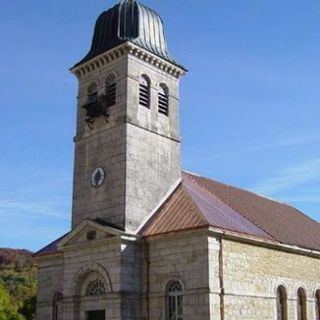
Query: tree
(7, 311)
(29, 308)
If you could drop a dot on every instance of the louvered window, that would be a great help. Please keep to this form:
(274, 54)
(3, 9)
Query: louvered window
(144, 91)
(93, 93)
(281, 303)
(111, 90)
(302, 304)
(174, 301)
(163, 100)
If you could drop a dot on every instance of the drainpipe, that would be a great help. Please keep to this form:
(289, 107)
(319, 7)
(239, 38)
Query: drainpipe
(221, 280)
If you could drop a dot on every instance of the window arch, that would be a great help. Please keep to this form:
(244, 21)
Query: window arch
(163, 99)
(302, 304)
(144, 91)
(282, 313)
(174, 301)
(92, 93)
(111, 90)
(317, 304)
(57, 306)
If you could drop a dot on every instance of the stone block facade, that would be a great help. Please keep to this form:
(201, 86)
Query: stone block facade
(115, 260)
(137, 274)
(182, 257)
(138, 147)
(251, 275)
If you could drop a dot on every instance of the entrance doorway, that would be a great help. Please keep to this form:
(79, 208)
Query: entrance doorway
(96, 315)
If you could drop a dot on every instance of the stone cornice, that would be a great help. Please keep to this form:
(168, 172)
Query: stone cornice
(128, 48)
(239, 238)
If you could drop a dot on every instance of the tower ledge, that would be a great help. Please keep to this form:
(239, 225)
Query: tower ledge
(128, 47)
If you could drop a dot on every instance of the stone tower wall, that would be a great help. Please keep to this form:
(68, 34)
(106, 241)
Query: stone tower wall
(105, 146)
(138, 147)
(153, 146)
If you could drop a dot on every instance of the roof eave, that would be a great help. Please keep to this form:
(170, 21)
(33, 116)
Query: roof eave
(262, 242)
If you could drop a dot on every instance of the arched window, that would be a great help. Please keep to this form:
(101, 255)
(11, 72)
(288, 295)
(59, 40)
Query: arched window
(111, 90)
(174, 301)
(318, 304)
(281, 303)
(96, 287)
(57, 306)
(302, 304)
(163, 100)
(144, 91)
(92, 93)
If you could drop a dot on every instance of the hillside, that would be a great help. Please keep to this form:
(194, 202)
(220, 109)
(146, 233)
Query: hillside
(17, 285)
(15, 258)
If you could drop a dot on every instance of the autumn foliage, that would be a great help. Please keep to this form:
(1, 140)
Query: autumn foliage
(17, 285)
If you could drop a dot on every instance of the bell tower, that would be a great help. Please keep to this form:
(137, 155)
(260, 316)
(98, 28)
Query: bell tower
(127, 144)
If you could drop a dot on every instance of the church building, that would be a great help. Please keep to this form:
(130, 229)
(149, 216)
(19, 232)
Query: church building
(149, 241)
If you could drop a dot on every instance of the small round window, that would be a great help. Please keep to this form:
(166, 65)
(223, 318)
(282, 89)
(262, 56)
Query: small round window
(92, 235)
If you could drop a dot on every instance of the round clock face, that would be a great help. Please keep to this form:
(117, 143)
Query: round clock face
(97, 177)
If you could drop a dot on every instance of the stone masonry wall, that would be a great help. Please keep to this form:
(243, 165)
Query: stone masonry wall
(88, 256)
(67, 272)
(138, 147)
(252, 275)
(103, 145)
(181, 257)
(153, 143)
(50, 281)
(153, 167)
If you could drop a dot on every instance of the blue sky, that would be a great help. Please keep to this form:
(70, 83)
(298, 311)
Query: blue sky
(250, 105)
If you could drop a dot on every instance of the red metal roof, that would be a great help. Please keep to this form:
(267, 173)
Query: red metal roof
(230, 208)
(179, 212)
(199, 202)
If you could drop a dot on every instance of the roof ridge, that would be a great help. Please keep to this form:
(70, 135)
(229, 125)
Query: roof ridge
(228, 205)
(241, 189)
(283, 203)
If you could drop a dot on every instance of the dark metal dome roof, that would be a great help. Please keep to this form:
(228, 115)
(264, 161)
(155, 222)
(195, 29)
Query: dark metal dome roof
(129, 21)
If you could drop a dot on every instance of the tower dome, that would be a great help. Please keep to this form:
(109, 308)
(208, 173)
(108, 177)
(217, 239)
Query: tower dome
(129, 20)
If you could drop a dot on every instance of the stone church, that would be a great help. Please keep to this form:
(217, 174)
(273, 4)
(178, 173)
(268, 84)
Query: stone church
(149, 241)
